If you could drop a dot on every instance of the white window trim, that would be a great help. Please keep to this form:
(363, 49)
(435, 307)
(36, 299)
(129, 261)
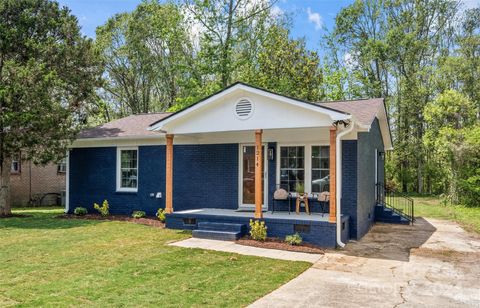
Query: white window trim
(307, 161)
(126, 189)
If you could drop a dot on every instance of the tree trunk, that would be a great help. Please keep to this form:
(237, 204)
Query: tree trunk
(5, 208)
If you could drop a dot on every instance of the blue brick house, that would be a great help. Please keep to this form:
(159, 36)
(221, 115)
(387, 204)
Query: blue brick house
(218, 163)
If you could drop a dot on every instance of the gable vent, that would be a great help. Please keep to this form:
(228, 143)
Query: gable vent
(244, 109)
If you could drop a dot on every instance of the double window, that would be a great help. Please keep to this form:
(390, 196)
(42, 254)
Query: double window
(307, 165)
(127, 169)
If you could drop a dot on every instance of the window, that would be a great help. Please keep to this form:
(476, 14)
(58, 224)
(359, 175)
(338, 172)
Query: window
(15, 168)
(127, 169)
(292, 167)
(320, 168)
(62, 166)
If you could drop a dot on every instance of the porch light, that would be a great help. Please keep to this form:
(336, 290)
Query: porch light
(271, 153)
(381, 155)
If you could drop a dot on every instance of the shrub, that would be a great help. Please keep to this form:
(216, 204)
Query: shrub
(104, 209)
(138, 214)
(258, 230)
(294, 239)
(161, 215)
(80, 211)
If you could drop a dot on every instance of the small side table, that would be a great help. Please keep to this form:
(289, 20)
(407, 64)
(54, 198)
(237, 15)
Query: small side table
(300, 199)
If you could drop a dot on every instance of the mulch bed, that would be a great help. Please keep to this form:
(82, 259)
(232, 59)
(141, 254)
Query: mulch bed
(149, 221)
(276, 243)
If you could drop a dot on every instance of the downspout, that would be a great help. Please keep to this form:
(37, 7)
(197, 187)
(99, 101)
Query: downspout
(339, 182)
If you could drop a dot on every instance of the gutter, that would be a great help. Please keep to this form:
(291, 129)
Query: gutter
(339, 182)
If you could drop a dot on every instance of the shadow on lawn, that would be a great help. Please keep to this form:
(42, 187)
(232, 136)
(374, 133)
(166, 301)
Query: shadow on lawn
(43, 220)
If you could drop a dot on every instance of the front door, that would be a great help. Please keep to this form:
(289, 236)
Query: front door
(247, 176)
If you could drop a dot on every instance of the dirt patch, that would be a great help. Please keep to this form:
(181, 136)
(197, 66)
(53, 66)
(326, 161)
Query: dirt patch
(149, 221)
(275, 243)
(447, 255)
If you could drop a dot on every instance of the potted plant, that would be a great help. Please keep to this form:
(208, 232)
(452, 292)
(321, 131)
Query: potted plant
(300, 189)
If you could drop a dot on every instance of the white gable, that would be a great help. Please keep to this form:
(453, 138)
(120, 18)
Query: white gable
(241, 108)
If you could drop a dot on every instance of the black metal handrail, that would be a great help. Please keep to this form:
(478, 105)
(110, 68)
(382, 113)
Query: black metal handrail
(399, 203)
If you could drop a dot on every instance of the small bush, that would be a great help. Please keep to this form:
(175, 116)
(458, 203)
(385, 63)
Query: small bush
(80, 211)
(294, 239)
(161, 215)
(104, 210)
(258, 230)
(138, 214)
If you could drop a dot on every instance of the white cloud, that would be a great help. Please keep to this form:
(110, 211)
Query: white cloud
(469, 4)
(276, 11)
(315, 18)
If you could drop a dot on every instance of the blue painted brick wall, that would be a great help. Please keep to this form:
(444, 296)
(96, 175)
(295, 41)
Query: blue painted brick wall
(349, 183)
(204, 176)
(367, 143)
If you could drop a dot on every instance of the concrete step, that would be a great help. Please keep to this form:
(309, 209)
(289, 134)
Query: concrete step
(219, 226)
(401, 221)
(217, 235)
(386, 215)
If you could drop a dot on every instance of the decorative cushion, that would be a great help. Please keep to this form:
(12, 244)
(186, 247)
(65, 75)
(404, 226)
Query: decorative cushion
(280, 194)
(324, 196)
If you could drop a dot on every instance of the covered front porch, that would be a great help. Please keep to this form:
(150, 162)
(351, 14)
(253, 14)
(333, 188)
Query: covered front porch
(282, 144)
(314, 228)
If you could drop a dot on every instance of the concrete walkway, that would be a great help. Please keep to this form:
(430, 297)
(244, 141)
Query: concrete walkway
(434, 263)
(247, 250)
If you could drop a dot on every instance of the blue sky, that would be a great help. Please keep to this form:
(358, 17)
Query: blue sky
(310, 17)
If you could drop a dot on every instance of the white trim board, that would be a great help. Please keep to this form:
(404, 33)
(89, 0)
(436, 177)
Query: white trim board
(243, 90)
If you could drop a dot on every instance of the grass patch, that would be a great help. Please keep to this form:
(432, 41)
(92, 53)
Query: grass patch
(430, 206)
(47, 261)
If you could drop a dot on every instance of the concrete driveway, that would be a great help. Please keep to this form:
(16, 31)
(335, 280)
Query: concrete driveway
(434, 263)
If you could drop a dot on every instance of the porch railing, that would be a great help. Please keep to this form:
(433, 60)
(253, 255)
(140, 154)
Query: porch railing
(398, 202)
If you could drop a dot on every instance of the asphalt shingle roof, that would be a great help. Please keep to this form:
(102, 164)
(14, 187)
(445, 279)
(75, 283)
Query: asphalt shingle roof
(364, 110)
(137, 125)
(131, 126)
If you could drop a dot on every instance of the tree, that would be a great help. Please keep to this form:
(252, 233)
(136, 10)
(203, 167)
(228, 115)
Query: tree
(225, 26)
(286, 66)
(47, 76)
(453, 135)
(148, 58)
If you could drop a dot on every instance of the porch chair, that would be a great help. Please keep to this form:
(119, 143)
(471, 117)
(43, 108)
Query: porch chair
(323, 199)
(280, 195)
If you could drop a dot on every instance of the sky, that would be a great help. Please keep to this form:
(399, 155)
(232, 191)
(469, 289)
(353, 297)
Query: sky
(311, 18)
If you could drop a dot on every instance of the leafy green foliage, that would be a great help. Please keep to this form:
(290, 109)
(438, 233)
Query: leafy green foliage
(258, 230)
(139, 214)
(104, 210)
(48, 74)
(80, 211)
(294, 239)
(161, 215)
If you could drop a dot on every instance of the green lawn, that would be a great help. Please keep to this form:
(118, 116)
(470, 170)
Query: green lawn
(468, 217)
(46, 261)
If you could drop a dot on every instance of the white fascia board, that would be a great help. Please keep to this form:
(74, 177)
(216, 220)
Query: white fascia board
(334, 115)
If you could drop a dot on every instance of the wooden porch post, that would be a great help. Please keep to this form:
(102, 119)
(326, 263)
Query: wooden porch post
(169, 175)
(333, 174)
(258, 174)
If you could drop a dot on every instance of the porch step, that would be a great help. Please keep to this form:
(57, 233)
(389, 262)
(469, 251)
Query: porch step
(386, 215)
(217, 235)
(219, 231)
(218, 226)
